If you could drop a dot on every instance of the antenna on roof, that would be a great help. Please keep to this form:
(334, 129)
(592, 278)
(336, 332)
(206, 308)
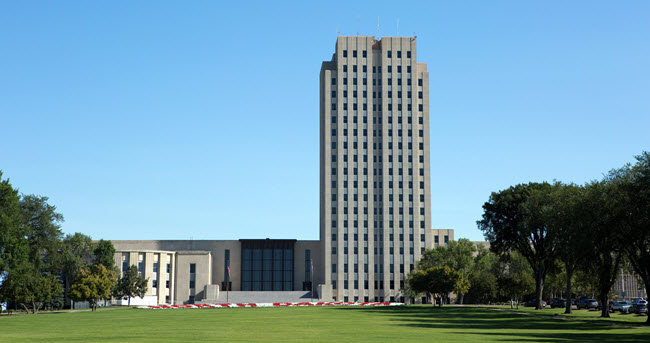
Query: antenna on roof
(397, 26)
(378, 36)
(357, 25)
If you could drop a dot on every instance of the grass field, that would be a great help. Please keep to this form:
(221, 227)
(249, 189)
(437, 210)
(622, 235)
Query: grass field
(379, 324)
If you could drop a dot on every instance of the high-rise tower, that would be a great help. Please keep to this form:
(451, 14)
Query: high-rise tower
(375, 217)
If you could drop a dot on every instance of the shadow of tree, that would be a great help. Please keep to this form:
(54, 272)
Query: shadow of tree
(497, 325)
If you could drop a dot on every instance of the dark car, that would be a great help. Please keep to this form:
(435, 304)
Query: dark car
(587, 304)
(558, 303)
(533, 303)
(639, 308)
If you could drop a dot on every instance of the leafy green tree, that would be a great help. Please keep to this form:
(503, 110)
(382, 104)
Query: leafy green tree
(29, 242)
(93, 285)
(41, 226)
(604, 219)
(457, 255)
(438, 281)
(77, 253)
(484, 287)
(518, 219)
(483, 279)
(572, 225)
(132, 284)
(26, 286)
(516, 277)
(11, 244)
(105, 254)
(634, 183)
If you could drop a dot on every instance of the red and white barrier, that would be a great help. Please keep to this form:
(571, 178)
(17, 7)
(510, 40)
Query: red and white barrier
(328, 303)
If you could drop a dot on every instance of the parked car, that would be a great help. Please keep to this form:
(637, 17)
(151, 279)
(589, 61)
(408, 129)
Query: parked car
(533, 303)
(640, 308)
(560, 302)
(587, 304)
(621, 306)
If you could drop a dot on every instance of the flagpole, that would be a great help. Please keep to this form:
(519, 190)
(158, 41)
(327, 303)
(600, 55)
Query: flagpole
(311, 277)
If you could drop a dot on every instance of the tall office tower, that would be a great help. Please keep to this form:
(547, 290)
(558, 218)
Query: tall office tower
(375, 217)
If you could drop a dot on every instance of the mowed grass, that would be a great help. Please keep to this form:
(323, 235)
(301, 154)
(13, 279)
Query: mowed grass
(300, 324)
(586, 315)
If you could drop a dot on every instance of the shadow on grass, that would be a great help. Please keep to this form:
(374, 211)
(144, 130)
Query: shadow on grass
(504, 326)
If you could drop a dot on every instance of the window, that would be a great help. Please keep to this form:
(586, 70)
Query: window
(365, 54)
(226, 266)
(333, 81)
(192, 275)
(408, 54)
(345, 53)
(419, 82)
(399, 54)
(390, 54)
(345, 68)
(354, 53)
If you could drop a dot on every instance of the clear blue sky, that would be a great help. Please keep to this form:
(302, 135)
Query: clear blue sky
(171, 120)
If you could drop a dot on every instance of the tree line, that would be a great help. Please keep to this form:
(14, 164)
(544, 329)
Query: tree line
(559, 230)
(41, 268)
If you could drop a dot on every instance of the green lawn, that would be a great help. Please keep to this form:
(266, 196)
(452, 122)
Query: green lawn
(378, 324)
(586, 315)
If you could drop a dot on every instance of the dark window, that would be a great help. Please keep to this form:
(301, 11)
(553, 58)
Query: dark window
(399, 54)
(390, 54)
(333, 81)
(345, 53)
(408, 54)
(267, 265)
(419, 82)
(365, 53)
(354, 53)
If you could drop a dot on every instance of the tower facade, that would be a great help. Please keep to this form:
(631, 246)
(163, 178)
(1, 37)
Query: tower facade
(375, 213)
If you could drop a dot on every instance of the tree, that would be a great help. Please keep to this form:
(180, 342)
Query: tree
(516, 277)
(572, 212)
(484, 286)
(634, 183)
(457, 255)
(105, 254)
(42, 230)
(483, 279)
(77, 253)
(29, 242)
(518, 218)
(93, 285)
(438, 281)
(132, 284)
(28, 287)
(11, 247)
(605, 223)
